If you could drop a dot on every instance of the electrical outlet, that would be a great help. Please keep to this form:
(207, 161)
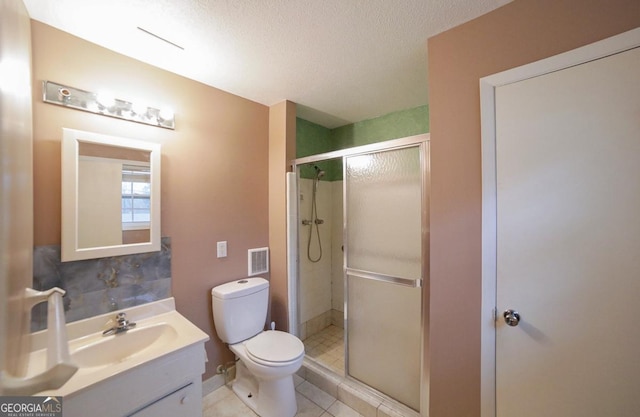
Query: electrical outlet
(222, 249)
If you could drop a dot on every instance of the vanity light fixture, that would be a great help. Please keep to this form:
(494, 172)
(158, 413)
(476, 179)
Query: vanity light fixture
(107, 105)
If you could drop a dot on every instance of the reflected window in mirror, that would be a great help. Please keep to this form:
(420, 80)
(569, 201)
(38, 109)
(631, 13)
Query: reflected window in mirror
(136, 203)
(111, 196)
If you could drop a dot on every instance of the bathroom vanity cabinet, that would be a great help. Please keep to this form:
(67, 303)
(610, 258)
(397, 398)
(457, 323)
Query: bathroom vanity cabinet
(168, 386)
(179, 403)
(153, 369)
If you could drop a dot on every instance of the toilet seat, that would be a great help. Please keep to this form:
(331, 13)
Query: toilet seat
(274, 348)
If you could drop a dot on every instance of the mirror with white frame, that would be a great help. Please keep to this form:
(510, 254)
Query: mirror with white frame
(110, 196)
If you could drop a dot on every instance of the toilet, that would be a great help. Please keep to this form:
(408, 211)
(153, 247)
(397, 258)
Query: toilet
(267, 359)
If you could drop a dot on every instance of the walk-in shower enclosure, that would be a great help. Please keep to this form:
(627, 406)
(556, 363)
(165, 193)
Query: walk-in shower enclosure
(358, 237)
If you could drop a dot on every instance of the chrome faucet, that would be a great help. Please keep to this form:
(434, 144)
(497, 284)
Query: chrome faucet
(122, 325)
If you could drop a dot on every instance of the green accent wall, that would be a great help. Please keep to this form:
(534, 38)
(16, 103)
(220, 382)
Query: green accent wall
(313, 139)
(396, 125)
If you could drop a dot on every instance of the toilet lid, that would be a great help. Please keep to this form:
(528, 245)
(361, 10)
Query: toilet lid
(275, 346)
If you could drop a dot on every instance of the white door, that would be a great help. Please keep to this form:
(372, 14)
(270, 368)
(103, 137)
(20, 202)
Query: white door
(16, 183)
(568, 241)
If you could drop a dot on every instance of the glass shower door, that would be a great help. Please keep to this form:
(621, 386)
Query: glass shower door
(384, 270)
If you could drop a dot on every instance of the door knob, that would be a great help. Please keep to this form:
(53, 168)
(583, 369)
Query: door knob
(511, 317)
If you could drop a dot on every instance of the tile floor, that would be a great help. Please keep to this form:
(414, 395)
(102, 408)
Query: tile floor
(312, 402)
(327, 347)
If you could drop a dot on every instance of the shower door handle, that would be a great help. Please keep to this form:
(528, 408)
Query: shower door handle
(408, 282)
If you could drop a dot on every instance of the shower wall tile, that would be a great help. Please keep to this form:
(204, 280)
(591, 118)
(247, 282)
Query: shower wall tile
(316, 324)
(315, 277)
(337, 318)
(97, 286)
(302, 330)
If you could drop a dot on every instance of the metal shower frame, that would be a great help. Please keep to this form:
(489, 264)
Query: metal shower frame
(422, 142)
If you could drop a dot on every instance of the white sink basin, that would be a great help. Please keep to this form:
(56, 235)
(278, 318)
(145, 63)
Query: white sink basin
(111, 350)
(160, 332)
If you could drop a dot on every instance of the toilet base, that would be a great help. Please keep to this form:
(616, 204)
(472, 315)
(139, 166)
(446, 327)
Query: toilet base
(268, 398)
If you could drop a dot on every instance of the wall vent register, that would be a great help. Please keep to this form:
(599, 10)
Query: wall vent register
(258, 261)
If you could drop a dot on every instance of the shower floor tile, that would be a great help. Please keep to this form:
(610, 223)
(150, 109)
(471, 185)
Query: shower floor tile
(327, 348)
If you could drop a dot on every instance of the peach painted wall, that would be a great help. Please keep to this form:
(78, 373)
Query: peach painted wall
(282, 150)
(519, 33)
(214, 165)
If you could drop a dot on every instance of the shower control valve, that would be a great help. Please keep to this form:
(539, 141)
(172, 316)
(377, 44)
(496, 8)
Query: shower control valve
(306, 222)
(318, 221)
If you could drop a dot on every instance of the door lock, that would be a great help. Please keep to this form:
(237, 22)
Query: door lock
(511, 317)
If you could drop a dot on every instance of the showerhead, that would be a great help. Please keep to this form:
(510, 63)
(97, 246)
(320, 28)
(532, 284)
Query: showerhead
(319, 172)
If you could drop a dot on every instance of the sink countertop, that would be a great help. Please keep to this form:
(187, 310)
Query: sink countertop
(89, 331)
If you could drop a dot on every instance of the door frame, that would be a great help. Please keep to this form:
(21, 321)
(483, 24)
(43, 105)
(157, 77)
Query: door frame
(610, 46)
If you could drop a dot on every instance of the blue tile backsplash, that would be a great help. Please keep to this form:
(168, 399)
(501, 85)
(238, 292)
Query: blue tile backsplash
(98, 286)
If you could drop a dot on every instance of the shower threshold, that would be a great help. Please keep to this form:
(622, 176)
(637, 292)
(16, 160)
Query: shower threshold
(362, 398)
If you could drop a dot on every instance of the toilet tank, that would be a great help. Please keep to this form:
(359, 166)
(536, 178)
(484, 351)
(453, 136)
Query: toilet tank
(240, 309)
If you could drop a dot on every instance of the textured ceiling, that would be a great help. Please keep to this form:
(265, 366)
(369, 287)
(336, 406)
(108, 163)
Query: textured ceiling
(341, 61)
